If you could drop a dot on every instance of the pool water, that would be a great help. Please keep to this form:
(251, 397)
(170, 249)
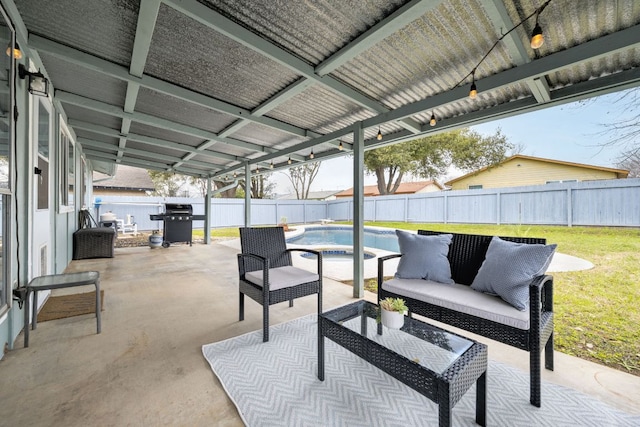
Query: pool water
(337, 255)
(385, 240)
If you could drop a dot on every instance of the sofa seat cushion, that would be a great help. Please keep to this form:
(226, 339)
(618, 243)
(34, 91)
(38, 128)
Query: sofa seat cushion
(460, 298)
(282, 277)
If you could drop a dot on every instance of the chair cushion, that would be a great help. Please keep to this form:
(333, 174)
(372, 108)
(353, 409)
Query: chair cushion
(282, 277)
(509, 268)
(424, 257)
(460, 298)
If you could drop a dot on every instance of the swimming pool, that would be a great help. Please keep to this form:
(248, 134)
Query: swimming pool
(373, 238)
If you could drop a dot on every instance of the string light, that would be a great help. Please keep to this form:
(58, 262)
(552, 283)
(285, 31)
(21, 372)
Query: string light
(289, 161)
(432, 121)
(340, 147)
(473, 91)
(235, 175)
(379, 136)
(311, 156)
(16, 53)
(537, 39)
(271, 165)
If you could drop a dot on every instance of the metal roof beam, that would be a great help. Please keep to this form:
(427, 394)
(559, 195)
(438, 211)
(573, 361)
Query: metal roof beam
(499, 15)
(399, 19)
(585, 52)
(106, 146)
(117, 71)
(148, 119)
(214, 20)
(102, 130)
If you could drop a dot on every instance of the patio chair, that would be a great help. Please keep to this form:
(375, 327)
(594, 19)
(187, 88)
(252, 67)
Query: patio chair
(267, 275)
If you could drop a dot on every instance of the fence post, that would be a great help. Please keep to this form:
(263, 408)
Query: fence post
(445, 210)
(569, 208)
(498, 201)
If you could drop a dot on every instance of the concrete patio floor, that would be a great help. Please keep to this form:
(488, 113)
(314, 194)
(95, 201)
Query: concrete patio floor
(147, 368)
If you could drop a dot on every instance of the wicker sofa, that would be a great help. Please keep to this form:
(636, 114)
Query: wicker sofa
(463, 307)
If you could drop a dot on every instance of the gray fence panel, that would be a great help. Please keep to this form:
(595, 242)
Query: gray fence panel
(390, 208)
(472, 207)
(426, 209)
(534, 207)
(340, 210)
(615, 207)
(595, 203)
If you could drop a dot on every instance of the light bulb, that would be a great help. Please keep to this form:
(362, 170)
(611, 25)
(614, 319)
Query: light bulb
(311, 156)
(271, 165)
(432, 122)
(474, 91)
(379, 136)
(537, 38)
(289, 161)
(16, 53)
(340, 147)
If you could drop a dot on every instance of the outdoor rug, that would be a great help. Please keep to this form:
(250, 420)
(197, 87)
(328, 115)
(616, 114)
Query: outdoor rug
(275, 384)
(59, 307)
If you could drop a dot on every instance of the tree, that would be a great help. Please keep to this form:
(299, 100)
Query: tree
(631, 162)
(624, 131)
(302, 177)
(261, 188)
(168, 184)
(201, 185)
(429, 157)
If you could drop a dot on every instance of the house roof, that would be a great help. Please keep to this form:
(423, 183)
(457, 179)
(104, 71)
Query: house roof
(204, 87)
(620, 173)
(313, 195)
(126, 177)
(403, 188)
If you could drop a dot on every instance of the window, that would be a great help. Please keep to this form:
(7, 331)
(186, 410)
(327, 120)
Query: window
(7, 73)
(558, 181)
(43, 157)
(67, 166)
(475, 187)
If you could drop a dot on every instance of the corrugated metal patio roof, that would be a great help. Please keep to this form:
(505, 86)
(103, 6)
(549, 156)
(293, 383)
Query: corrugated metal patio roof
(205, 87)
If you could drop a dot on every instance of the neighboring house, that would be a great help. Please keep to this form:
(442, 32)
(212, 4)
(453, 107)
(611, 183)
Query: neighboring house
(403, 188)
(522, 170)
(313, 195)
(127, 181)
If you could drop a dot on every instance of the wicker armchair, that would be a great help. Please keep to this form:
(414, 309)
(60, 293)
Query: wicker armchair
(267, 275)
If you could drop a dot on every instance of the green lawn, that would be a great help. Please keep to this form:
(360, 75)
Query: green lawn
(598, 310)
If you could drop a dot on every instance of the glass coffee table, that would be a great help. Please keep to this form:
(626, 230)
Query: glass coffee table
(440, 365)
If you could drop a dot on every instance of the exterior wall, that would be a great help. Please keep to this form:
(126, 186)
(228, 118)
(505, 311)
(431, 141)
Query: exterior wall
(429, 189)
(521, 172)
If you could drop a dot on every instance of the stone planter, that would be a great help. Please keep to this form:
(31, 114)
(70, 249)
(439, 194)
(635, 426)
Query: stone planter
(392, 319)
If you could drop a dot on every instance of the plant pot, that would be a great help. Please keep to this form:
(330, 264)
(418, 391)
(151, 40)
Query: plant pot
(392, 319)
(155, 240)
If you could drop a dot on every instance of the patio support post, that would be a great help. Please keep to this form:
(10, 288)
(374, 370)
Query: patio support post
(207, 213)
(247, 194)
(358, 211)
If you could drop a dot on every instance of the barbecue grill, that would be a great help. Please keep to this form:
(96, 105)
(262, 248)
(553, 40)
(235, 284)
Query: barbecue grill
(178, 223)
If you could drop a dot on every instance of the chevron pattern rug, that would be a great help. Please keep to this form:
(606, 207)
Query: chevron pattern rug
(275, 384)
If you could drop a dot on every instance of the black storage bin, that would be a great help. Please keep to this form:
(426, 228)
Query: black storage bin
(94, 243)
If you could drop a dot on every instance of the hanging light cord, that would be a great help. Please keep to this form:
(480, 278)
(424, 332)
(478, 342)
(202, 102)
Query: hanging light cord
(538, 11)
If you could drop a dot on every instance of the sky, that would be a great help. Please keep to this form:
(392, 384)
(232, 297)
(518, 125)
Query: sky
(571, 132)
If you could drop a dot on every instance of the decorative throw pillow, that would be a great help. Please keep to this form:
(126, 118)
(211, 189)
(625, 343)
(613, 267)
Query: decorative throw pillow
(424, 257)
(509, 268)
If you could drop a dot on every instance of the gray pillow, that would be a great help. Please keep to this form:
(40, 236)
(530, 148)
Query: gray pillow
(509, 268)
(424, 257)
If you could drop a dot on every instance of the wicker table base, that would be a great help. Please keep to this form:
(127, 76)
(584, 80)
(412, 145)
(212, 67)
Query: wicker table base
(440, 365)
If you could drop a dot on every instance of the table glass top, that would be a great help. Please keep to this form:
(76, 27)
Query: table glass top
(430, 346)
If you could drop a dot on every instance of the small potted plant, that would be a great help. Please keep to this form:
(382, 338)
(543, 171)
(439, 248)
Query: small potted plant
(392, 312)
(283, 223)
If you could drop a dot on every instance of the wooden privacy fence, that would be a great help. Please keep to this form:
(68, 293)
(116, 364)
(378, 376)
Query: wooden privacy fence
(613, 203)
